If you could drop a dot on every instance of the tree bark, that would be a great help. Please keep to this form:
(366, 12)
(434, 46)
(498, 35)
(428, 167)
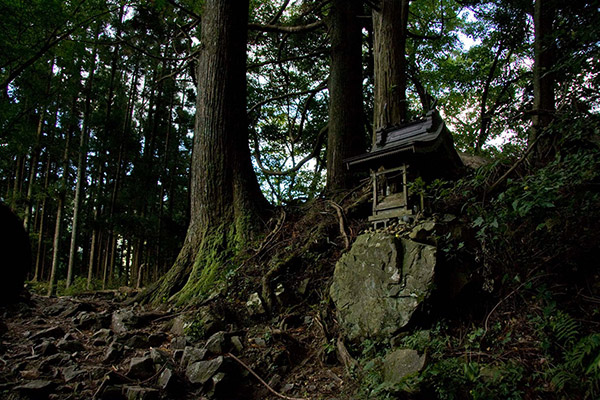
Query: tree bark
(58, 224)
(390, 28)
(346, 134)
(543, 76)
(81, 166)
(226, 201)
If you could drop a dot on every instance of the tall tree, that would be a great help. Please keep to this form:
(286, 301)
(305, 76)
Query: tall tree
(390, 29)
(543, 73)
(226, 201)
(346, 128)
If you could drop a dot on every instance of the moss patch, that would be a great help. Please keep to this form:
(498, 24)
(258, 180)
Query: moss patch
(214, 260)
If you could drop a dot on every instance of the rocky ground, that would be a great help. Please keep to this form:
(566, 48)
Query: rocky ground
(97, 347)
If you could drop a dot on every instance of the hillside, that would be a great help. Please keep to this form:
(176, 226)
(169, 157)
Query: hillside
(512, 313)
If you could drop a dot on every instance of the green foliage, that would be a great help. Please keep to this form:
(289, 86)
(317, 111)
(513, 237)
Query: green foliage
(195, 329)
(78, 286)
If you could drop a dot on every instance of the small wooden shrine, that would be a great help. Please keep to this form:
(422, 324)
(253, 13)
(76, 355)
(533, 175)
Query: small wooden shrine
(400, 154)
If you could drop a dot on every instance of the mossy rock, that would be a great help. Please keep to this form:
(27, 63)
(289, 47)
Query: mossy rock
(379, 284)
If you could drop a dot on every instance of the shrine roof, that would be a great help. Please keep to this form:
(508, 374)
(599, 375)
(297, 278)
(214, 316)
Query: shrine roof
(427, 135)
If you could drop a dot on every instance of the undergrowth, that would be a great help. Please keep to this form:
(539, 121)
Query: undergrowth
(536, 240)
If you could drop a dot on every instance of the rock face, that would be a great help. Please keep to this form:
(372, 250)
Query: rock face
(401, 363)
(16, 255)
(378, 285)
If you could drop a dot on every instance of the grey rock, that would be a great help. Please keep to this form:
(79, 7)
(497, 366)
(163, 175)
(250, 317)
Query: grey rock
(47, 348)
(69, 345)
(101, 337)
(422, 231)
(178, 342)
(141, 393)
(60, 306)
(217, 343)
(255, 305)
(191, 355)
(201, 372)
(378, 285)
(220, 385)
(113, 352)
(37, 389)
(288, 387)
(178, 327)
(157, 339)
(236, 341)
(71, 372)
(53, 332)
(303, 287)
(159, 356)
(112, 392)
(87, 321)
(75, 308)
(166, 380)
(275, 381)
(141, 368)
(137, 342)
(54, 361)
(177, 355)
(400, 364)
(123, 320)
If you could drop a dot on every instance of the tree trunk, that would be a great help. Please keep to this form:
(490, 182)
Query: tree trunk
(57, 227)
(39, 257)
(346, 134)
(33, 169)
(81, 166)
(226, 201)
(543, 77)
(390, 26)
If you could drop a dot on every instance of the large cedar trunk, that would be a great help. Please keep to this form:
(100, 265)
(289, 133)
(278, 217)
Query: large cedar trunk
(543, 78)
(346, 134)
(226, 201)
(390, 32)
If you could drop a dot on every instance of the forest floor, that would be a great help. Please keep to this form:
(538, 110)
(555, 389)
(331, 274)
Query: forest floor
(95, 346)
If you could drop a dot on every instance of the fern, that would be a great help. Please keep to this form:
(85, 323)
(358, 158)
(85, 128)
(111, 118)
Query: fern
(561, 377)
(581, 365)
(565, 328)
(586, 355)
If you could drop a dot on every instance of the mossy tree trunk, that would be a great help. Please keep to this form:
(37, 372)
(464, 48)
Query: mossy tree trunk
(226, 201)
(390, 28)
(346, 133)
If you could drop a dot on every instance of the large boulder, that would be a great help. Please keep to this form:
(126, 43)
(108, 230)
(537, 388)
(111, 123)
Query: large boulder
(15, 255)
(379, 284)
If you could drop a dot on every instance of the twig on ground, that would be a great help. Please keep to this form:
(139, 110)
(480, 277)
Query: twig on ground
(282, 396)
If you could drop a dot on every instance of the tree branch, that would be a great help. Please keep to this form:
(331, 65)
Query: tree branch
(286, 29)
(429, 37)
(283, 96)
(154, 56)
(50, 43)
(184, 9)
(316, 150)
(295, 58)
